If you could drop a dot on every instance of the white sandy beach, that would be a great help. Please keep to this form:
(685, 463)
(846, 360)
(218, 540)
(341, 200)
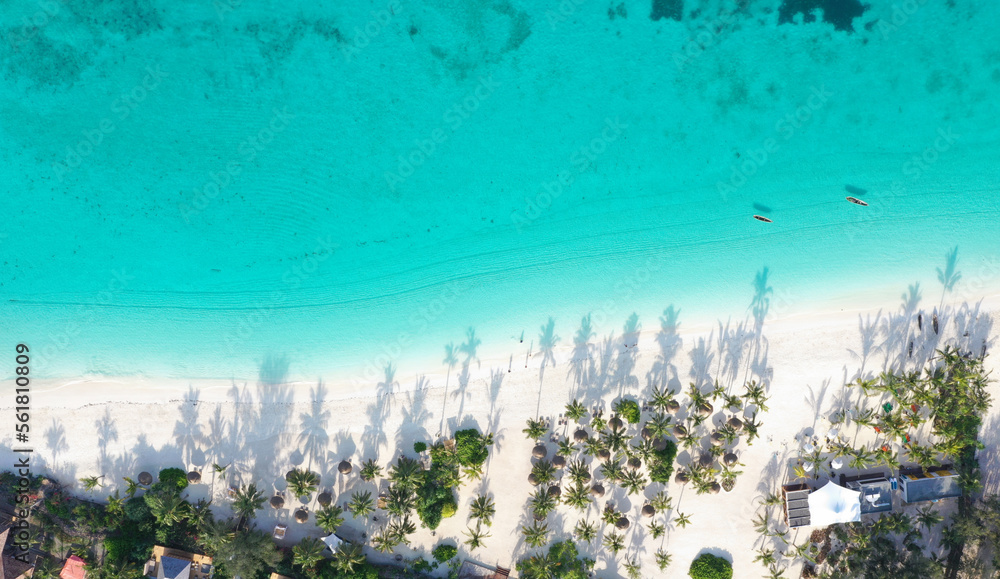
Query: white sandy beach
(119, 427)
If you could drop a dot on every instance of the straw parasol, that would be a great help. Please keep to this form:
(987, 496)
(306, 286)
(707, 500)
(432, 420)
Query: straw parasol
(730, 458)
(715, 488)
(646, 433)
(277, 502)
(580, 435)
(706, 459)
(648, 511)
(555, 491)
(673, 406)
(682, 477)
(558, 461)
(539, 451)
(324, 499)
(680, 431)
(717, 438)
(634, 463)
(194, 477)
(533, 480)
(345, 467)
(289, 474)
(301, 515)
(622, 524)
(604, 455)
(705, 409)
(615, 423)
(597, 490)
(145, 478)
(659, 443)
(735, 423)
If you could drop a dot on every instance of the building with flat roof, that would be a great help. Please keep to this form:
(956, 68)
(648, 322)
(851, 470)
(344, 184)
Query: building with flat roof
(936, 484)
(167, 563)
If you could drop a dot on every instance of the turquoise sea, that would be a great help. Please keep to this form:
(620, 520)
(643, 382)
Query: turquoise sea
(192, 188)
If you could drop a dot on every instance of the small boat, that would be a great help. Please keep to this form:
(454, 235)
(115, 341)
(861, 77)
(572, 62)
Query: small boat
(764, 219)
(857, 201)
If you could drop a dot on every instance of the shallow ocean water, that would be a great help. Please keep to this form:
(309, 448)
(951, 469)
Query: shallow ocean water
(194, 189)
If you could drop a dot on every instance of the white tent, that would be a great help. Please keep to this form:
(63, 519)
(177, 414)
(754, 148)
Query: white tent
(333, 541)
(834, 504)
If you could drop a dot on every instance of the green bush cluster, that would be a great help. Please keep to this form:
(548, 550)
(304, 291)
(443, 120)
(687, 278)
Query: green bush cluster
(629, 410)
(172, 478)
(661, 465)
(471, 447)
(419, 447)
(561, 562)
(444, 552)
(708, 566)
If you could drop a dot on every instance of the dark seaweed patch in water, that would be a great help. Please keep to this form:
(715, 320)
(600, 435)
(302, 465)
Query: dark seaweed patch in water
(840, 13)
(667, 9)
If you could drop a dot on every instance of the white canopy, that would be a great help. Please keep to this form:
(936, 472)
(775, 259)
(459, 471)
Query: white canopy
(834, 504)
(333, 541)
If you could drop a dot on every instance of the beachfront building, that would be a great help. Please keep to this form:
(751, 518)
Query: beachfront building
(875, 488)
(176, 564)
(73, 568)
(10, 566)
(938, 483)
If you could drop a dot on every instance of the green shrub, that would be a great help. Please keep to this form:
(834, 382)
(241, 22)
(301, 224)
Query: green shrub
(444, 552)
(471, 447)
(708, 566)
(448, 508)
(137, 510)
(173, 479)
(629, 410)
(661, 465)
(422, 565)
(562, 556)
(419, 447)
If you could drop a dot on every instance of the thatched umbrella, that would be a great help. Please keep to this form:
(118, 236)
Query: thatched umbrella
(559, 461)
(324, 499)
(533, 480)
(680, 431)
(194, 477)
(730, 458)
(345, 467)
(277, 502)
(580, 435)
(705, 409)
(648, 511)
(145, 478)
(539, 451)
(622, 524)
(659, 443)
(706, 459)
(735, 423)
(597, 490)
(301, 515)
(604, 455)
(634, 463)
(289, 474)
(715, 488)
(555, 491)
(717, 438)
(682, 477)
(646, 433)
(673, 406)
(615, 423)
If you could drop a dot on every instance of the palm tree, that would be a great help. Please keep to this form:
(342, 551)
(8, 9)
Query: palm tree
(475, 537)
(612, 471)
(633, 569)
(614, 542)
(247, 501)
(661, 398)
(407, 473)
(592, 446)
(401, 529)
(482, 509)
(535, 430)
(928, 517)
(633, 481)
(361, 504)
(348, 557)
(116, 506)
(544, 471)
(661, 502)
(130, 486)
(302, 482)
(615, 440)
(663, 559)
(308, 553)
(598, 423)
(861, 458)
(682, 520)
(329, 518)
(578, 497)
(575, 411)
(585, 531)
(168, 508)
(577, 471)
(399, 501)
(536, 535)
(656, 529)
(750, 427)
(370, 469)
(775, 572)
(200, 515)
(566, 447)
(542, 502)
(91, 482)
(659, 424)
(765, 557)
(384, 542)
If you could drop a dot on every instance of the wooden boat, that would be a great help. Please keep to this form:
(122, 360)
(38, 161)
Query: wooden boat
(857, 201)
(764, 219)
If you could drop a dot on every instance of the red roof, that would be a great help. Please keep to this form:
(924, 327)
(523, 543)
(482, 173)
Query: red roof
(73, 569)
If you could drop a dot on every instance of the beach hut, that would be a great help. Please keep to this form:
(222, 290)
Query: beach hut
(539, 451)
(324, 499)
(648, 511)
(597, 490)
(277, 501)
(145, 479)
(580, 435)
(194, 477)
(345, 467)
(301, 515)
